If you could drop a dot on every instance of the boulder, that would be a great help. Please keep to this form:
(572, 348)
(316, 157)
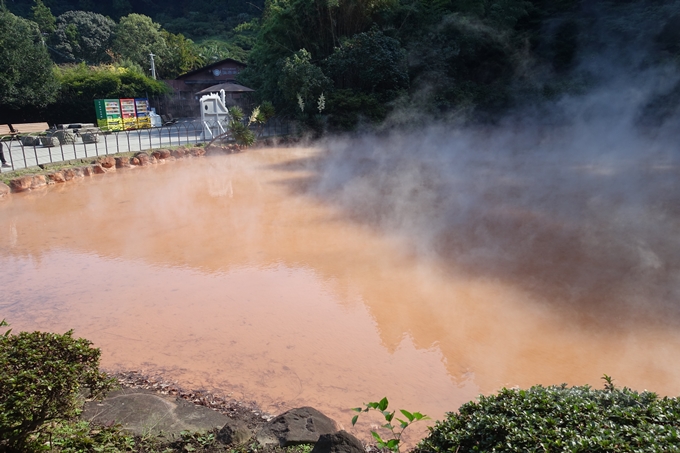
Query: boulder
(57, 176)
(4, 189)
(142, 158)
(122, 162)
(235, 432)
(107, 161)
(340, 442)
(298, 426)
(97, 169)
(196, 151)
(179, 153)
(87, 171)
(134, 161)
(144, 412)
(161, 154)
(38, 181)
(72, 173)
(21, 184)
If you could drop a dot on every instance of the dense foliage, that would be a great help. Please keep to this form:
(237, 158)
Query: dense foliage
(82, 36)
(80, 84)
(41, 375)
(560, 419)
(360, 60)
(26, 76)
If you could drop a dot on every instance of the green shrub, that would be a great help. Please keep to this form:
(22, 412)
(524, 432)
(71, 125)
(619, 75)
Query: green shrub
(41, 376)
(560, 419)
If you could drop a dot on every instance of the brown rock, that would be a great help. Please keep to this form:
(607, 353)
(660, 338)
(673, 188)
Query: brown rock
(179, 153)
(134, 161)
(153, 160)
(98, 169)
(38, 181)
(161, 154)
(87, 171)
(57, 176)
(143, 158)
(4, 189)
(72, 173)
(21, 184)
(196, 151)
(122, 162)
(107, 161)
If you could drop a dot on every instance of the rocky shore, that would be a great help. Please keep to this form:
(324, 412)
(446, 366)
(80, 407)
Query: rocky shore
(146, 405)
(49, 174)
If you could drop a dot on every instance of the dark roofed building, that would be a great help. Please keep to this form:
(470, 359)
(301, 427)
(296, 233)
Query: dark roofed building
(186, 88)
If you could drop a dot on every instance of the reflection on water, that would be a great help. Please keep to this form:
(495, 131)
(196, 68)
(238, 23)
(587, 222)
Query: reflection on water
(218, 274)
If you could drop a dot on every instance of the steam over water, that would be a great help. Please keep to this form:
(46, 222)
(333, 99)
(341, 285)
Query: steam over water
(428, 269)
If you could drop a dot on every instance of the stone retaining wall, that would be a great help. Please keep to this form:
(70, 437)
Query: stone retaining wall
(107, 164)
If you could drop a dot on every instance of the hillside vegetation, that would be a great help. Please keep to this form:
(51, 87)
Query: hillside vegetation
(337, 64)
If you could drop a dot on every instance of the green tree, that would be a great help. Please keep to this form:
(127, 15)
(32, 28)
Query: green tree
(83, 36)
(26, 71)
(315, 25)
(464, 65)
(212, 50)
(370, 62)
(301, 80)
(499, 12)
(182, 56)
(44, 17)
(137, 36)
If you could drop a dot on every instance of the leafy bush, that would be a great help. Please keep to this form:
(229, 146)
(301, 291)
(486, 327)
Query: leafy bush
(41, 375)
(557, 419)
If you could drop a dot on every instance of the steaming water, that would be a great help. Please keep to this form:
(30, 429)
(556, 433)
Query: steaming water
(241, 274)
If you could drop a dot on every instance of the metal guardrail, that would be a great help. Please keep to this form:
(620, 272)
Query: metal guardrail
(20, 155)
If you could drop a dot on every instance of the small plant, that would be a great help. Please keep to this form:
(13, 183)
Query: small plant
(41, 375)
(321, 105)
(261, 114)
(241, 132)
(381, 406)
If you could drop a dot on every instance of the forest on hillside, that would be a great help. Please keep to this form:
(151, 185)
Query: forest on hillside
(339, 64)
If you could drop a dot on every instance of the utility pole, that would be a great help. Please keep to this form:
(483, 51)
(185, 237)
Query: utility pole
(153, 66)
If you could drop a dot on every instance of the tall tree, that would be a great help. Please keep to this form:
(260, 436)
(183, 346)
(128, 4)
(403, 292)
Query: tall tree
(137, 36)
(182, 56)
(82, 36)
(26, 71)
(43, 16)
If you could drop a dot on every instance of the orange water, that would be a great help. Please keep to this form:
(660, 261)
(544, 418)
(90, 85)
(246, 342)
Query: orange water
(224, 274)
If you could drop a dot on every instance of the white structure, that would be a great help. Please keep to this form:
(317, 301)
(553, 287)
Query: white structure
(214, 115)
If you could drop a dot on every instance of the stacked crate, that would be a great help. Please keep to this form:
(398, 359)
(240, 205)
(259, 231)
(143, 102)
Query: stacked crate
(127, 108)
(143, 117)
(108, 114)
